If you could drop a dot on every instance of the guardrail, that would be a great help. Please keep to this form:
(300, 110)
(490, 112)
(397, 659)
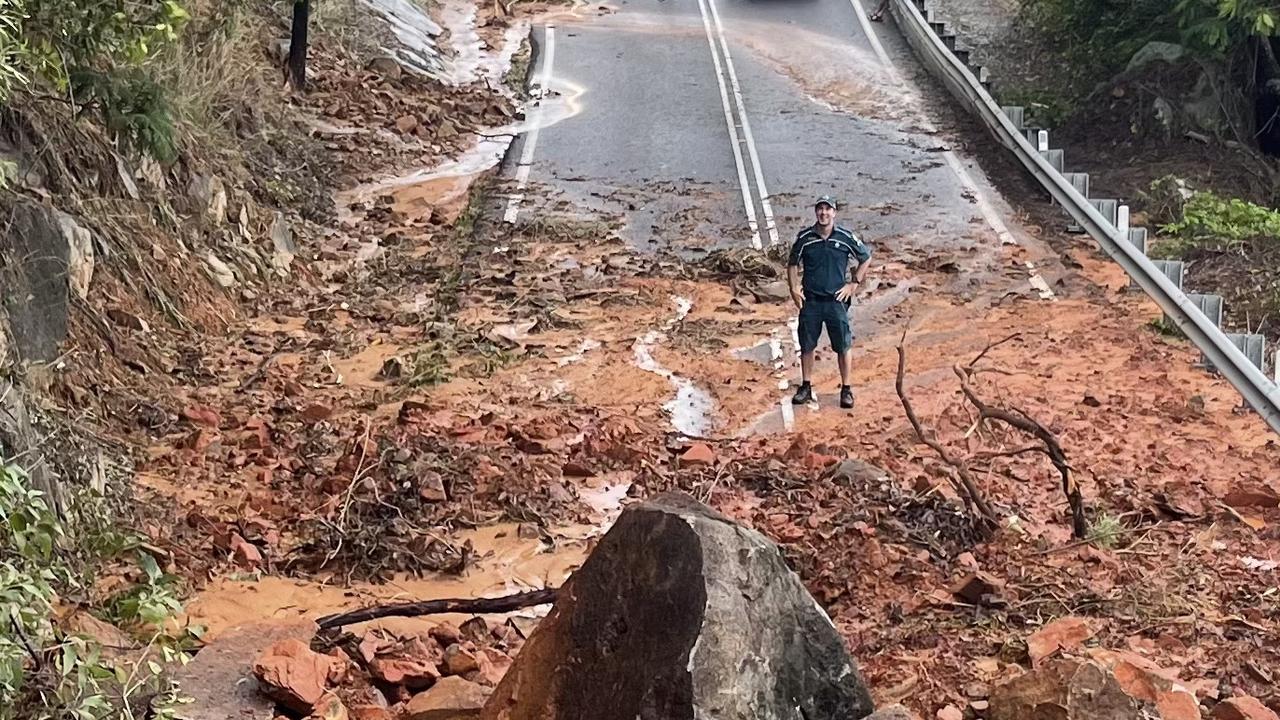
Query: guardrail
(1254, 386)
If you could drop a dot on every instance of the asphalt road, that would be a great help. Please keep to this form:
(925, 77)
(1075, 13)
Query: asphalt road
(649, 103)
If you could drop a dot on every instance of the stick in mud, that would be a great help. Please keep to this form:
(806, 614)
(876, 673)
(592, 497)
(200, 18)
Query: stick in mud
(470, 606)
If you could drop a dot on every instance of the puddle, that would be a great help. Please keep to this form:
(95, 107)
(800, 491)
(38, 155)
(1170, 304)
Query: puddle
(444, 189)
(691, 409)
(507, 564)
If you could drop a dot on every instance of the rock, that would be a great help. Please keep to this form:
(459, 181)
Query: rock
(220, 271)
(329, 708)
(459, 660)
(1109, 689)
(1251, 498)
(446, 634)
(1155, 51)
(978, 589)
(208, 196)
(431, 486)
(413, 673)
(1066, 633)
(698, 454)
(283, 244)
(244, 553)
(219, 681)
(494, 665)
(950, 712)
(202, 416)
(710, 612)
(453, 698)
(1243, 707)
(80, 256)
(475, 629)
(775, 291)
(405, 124)
(387, 67)
(293, 675)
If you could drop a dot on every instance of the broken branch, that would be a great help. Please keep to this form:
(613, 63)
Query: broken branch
(471, 606)
(967, 484)
(1022, 421)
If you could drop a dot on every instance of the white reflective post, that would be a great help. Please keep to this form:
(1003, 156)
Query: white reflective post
(1042, 141)
(1122, 220)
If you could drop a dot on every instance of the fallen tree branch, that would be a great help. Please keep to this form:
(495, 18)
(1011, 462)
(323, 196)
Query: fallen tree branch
(966, 484)
(1020, 420)
(471, 606)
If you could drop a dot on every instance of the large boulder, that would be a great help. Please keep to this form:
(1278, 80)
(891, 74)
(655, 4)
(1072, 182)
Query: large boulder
(680, 613)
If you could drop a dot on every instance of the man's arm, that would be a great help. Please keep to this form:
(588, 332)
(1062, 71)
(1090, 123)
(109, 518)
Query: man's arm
(862, 254)
(793, 281)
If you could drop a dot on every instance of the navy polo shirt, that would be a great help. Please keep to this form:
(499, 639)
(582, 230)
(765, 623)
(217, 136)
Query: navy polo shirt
(826, 262)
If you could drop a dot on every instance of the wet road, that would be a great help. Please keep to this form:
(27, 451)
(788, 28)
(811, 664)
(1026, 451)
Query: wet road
(710, 123)
(704, 124)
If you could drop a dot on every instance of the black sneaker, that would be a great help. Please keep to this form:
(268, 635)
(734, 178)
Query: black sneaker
(846, 397)
(803, 396)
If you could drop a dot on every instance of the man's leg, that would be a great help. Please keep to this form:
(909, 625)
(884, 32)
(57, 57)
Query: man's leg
(845, 360)
(808, 329)
(840, 330)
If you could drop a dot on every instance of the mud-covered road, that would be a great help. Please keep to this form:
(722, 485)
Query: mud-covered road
(468, 396)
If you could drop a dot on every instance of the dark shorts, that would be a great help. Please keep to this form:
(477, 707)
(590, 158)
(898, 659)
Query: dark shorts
(831, 313)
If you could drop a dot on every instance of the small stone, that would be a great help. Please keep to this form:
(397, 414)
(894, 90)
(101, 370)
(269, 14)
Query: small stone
(698, 454)
(1243, 707)
(977, 589)
(412, 673)
(203, 416)
(950, 712)
(128, 320)
(453, 698)
(405, 124)
(528, 531)
(329, 708)
(246, 554)
(294, 675)
(431, 487)
(446, 634)
(475, 629)
(458, 660)
(387, 67)
(892, 712)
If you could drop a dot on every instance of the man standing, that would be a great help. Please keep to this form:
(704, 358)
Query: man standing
(823, 251)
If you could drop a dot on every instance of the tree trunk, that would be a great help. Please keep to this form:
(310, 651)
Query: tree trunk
(298, 45)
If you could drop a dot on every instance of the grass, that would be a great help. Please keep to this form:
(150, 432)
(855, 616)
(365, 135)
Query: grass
(1105, 531)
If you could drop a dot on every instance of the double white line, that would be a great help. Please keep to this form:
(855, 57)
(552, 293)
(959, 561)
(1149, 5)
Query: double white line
(748, 200)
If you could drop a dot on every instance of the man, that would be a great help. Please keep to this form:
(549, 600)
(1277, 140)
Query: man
(824, 251)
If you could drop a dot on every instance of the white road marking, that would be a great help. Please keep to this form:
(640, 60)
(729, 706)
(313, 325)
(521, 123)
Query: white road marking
(765, 205)
(984, 206)
(748, 203)
(867, 30)
(535, 124)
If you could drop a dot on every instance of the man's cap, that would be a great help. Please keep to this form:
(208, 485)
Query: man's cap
(826, 200)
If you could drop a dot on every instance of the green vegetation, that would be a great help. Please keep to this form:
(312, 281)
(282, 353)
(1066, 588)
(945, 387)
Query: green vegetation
(48, 673)
(1105, 531)
(1209, 220)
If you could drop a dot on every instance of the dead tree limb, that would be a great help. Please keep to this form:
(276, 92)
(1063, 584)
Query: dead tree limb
(1020, 420)
(972, 495)
(470, 606)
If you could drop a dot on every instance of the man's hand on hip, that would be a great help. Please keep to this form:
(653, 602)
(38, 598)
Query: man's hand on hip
(845, 293)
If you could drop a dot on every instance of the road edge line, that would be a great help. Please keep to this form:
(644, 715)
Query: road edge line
(531, 137)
